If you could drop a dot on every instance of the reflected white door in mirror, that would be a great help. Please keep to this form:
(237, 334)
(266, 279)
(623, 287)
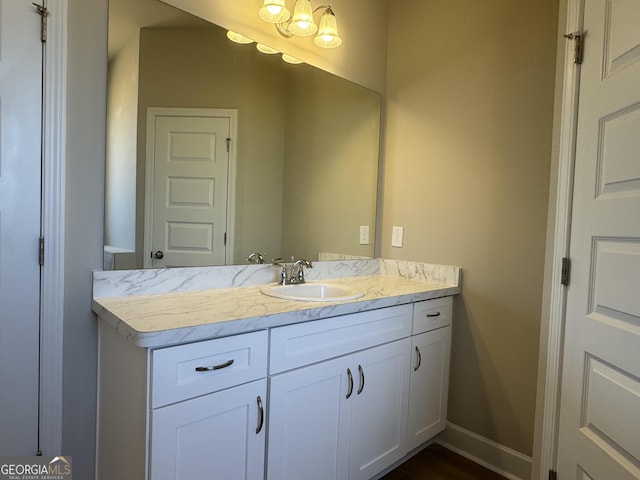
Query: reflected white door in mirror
(189, 186)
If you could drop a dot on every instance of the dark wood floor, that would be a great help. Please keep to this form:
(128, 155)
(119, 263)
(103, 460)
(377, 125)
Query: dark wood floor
(437, 463)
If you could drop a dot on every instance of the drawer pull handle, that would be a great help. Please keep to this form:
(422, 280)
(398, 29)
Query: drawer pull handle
(433, 315)
(361, 372)
(419, 360)
(260, 415)
(350, 378)
(215, 367)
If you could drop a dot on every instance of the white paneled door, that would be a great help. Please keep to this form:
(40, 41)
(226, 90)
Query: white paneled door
(188, 206)
(20, 205)
(600, 403)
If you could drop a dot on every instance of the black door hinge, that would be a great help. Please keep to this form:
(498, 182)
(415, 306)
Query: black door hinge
(566, 271)
(44, 13)
(41, 251)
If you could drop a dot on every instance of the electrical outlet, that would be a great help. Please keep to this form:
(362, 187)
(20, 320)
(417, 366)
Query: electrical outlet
(397, 236)
(364, 234)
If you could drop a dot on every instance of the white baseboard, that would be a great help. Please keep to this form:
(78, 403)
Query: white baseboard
(498, 458)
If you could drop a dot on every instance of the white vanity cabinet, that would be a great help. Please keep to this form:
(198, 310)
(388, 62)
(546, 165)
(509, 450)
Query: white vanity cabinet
(344, 417)
(341, 398)
(431, 349)
(182, 412)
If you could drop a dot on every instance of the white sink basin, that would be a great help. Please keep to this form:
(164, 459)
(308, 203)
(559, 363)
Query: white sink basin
(312, 292)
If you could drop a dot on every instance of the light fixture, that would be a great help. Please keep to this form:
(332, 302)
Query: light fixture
(238, 38)
(290, 59)
(302, 23)
(266, 49)
(328, 31)
(274, 11)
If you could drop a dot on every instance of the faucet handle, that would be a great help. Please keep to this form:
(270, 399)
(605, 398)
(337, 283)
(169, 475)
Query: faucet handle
(297, 270)
(256, 257)
(303, 263)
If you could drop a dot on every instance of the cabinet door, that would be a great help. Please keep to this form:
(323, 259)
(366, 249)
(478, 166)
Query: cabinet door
(379, 409)
(309, 418)
(218, 436)
(429, 385)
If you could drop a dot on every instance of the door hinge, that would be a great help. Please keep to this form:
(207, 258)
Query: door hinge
(44, 13)
(566, 271)
(577, 38)
(553, 475)
(225, 239)
(228, 145)
(41, 251)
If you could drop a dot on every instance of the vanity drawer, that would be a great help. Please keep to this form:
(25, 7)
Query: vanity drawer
(194, 369)
(296, 345)
(432, 314)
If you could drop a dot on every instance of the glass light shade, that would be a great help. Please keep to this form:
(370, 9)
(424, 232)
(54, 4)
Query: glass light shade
(290, 59)
(274, 11)
(302, 23)
(266, 49)
(328, 31)
(238, 38)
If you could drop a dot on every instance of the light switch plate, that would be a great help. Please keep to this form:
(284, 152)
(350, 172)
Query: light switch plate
(364, 234)
(397, 236)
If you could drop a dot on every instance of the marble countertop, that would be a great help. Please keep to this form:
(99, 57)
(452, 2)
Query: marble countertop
(163, 319)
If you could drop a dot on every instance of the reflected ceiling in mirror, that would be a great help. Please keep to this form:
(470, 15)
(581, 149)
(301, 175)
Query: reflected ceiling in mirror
(304, 180)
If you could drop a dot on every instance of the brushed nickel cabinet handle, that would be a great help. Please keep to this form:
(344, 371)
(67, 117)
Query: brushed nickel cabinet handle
(361, 372)
(418, 359)
(215, 367)
(350, 378)
(260, 415)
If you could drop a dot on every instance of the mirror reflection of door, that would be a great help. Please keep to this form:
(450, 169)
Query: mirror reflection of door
(188, 196)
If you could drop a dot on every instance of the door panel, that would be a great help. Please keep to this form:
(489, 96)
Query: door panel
(600, 401)
(429, 386)
(381, 403)
(191, 170)
(309, 421)
(218, 436)
(20, 140)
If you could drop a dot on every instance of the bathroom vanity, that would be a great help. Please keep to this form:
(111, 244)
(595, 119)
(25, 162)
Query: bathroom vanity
(241, 385)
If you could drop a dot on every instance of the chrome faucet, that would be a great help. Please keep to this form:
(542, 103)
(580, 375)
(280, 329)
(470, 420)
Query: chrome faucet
(255, 257)
(292, 273)
(297, 270)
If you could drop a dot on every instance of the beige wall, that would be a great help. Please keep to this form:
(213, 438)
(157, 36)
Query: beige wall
(182, 68)
(467, 158)
(122, 124)
(83, 170)
(330, 175)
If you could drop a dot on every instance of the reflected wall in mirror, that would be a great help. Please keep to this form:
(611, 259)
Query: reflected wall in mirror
(306, 151)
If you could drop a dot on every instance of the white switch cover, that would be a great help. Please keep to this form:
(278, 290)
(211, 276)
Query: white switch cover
(364, 234)
(397, 236)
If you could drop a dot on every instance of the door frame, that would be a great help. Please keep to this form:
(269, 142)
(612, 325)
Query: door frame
(53, 227)
(152, 113)
(551, 345)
